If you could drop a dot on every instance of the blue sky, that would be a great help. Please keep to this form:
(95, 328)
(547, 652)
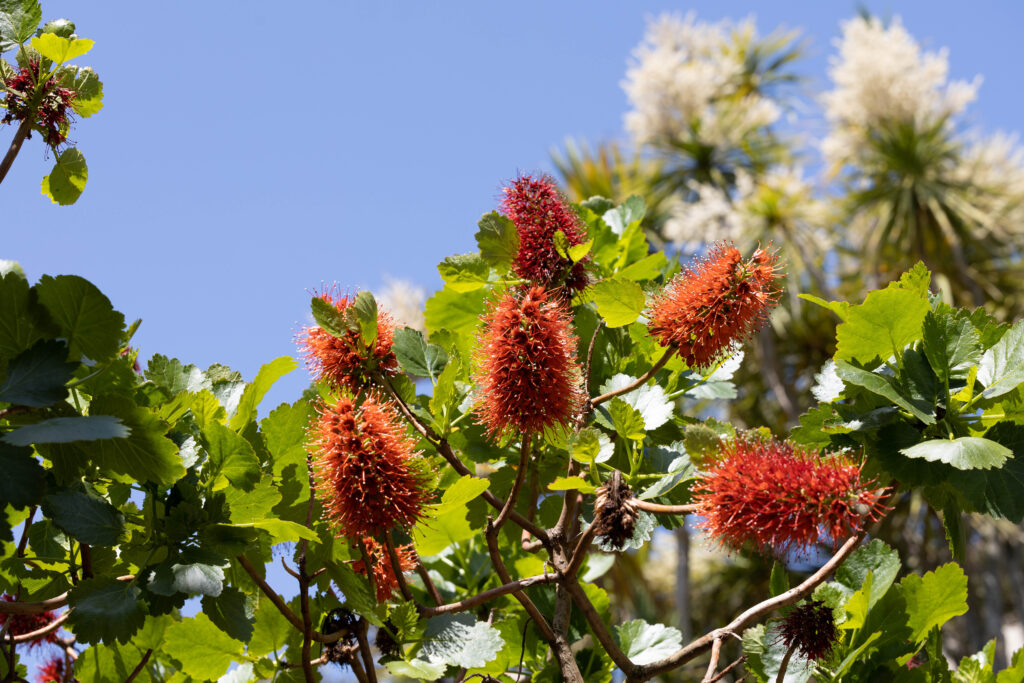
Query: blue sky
(249, 152)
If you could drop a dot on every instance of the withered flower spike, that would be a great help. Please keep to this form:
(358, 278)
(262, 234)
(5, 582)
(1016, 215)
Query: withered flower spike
(614, 513)
(811, 629)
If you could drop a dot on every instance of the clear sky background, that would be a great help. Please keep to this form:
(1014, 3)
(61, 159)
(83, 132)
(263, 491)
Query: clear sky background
(249, 151)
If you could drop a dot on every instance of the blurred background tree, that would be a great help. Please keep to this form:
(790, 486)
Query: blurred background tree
(725, 142)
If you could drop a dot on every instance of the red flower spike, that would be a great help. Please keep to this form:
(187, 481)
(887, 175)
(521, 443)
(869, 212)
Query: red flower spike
(27, 623)
(811, 629)
(539, 210)
(780, 497)
(51, 114)
(384, 578)
(525, 366)
(365, 477)
(52, 671)
(344, 362)
(719, 300)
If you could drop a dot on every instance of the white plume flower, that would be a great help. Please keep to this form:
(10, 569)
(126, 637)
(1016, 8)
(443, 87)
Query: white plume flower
(405, 301)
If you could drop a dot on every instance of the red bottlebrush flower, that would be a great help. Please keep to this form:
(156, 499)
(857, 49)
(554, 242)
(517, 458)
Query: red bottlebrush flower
(52, 671)
(525, 366)
(365, 475)
(343, 361)
(719, 300)
(22, 624)
(384, 578)
(51, 112)
(810, 629)
(778, 496)
(539, 210)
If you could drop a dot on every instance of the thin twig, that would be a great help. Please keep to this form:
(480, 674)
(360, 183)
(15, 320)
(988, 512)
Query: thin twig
(785, 663)
(598, 400)
(396, 568)
(427, 581)
(288, 569)
(141, 665)
(597, 625)
(364, 649)
(499, 566)
(716, 650)
(724, 672)
(517, 485)
(38, 633)
(659, 509)
(488, 595)
(19, 137)
(580, 552)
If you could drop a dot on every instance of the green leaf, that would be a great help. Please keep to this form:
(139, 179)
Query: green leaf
(87, 87)
(432, 536)
(572, 484)
(36, 377)
(68, 429)
(876, 559)
(648, 399)
(464, 272)
(85, 515)
(883, 386)
(18, 21)
(953, 525)
(840, 308)
(86, 319)
(105, 609)
(498, 240)
(59, 49)
(24, 480)
(465, 489)
(460, 640)
(198, 578)
(284, 431)
(176, 377)
(578, 252)
(951, 345)
(1002, 367)
(934, 599)
(629, 211)
(455, 311)
(67, 180)
(997, 492)
(254, 393)
(778, 582)
(62, 27)
(146, 454)
(232, 459)
(416, 356)
(888, 320)
(203, 650)
(270, 631)
(628, 421)
(363, 312)
(590, 445)
(1015, 672)
(417, 669)
(620, 302)
(328, 317)
(644, 643)
(964, 453)
(647, 268)
(282, 530)
(19, 317)
(443, 400)
(251, 506)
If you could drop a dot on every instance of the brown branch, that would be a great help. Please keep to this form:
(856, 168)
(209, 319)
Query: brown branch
(517, 485)
(531, 510)
(307, 621)
(427, 581)
(598, 400)
(288, 569)
(38, 633)
(445, 450)
(19, 137)
(86, 560)
(499, 566)
(33, 607)
(785, 663)
(590, 355)
(724, 672)
(488, 595)
(141, 665)
(396, 568)
(364, 650)
(664, 509)
(704, 643)
(23, 541)
(601, 631)
(367, 566)
(279, 603)
(580, 552)
(716, 650)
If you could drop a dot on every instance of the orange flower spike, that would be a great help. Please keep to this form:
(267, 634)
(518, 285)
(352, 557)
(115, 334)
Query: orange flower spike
(527, 376)
(365, 479)
(779, 497)
(343, 362)
(718, 300)
(384, 578)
